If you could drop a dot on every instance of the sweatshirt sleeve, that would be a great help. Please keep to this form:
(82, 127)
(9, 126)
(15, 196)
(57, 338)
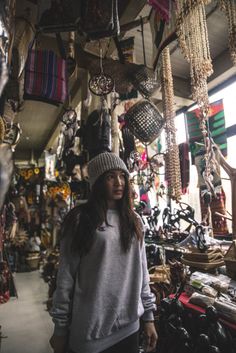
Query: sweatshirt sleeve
(148, 298)
(63, 295)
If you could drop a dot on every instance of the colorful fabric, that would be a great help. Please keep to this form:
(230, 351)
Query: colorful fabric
(217, 128)
(219, 224)
(163, 7)
(45, 77)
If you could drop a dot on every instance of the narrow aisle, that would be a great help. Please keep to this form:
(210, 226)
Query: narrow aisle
(25, 320)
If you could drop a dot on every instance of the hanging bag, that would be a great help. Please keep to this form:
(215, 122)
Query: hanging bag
(144, 79)
(46, 77)
(144, 121)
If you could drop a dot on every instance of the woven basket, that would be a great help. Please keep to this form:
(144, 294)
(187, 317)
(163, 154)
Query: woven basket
(208, 256)
(203, 265)
(145, 82)
(210, 259)
(144, 121)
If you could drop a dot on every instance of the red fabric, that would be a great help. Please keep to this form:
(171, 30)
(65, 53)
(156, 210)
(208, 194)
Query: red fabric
(184, 299)
(4, 297)
(163, 7)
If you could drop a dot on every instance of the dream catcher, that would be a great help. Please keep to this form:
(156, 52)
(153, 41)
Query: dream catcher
(102, 83)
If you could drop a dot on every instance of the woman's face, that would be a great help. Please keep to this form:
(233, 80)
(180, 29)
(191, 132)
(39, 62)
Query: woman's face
(114, 186)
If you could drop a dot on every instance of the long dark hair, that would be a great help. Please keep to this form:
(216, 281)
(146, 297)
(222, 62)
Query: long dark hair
(82, 221)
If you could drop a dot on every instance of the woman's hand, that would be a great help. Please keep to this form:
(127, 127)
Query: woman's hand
(150, 336)
(59, 343)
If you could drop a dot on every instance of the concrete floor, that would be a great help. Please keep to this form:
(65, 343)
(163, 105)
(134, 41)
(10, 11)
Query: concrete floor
(25, 321)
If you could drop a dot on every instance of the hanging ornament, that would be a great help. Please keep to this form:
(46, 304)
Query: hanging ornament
(172, 156)
(229, 7)
(101, 84)
(191, 29)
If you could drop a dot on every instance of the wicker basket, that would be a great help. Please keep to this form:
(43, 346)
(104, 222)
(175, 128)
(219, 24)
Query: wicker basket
(144, 121)
(203, 265)
(210, 259)
(208, 256)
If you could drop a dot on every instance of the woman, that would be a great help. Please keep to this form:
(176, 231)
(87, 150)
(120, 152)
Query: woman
(102, 285)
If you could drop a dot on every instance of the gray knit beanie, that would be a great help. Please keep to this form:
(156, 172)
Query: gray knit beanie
(103, 163)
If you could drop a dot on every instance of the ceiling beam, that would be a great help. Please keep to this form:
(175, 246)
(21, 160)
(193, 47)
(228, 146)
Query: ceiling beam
(132, 10)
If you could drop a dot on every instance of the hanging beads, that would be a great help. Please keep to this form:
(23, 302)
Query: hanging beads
(192, 35)
(172, 155)
(229, 7)
(193, 40)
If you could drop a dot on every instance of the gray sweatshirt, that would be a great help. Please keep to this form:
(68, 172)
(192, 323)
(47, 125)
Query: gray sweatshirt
(101, 296)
